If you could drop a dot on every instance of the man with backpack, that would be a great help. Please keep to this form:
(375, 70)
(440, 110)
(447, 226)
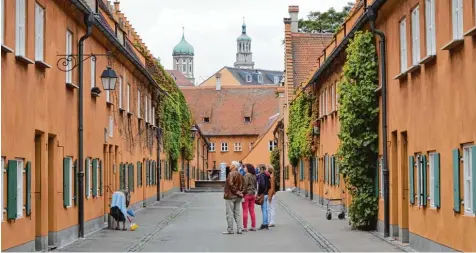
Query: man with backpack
(263, 188)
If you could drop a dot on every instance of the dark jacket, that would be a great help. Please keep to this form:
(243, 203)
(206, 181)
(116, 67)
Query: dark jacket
(233, 185)
(263, 183)
(249, 186)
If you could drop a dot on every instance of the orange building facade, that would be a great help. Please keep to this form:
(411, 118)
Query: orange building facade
(430, 51)
(40, 117)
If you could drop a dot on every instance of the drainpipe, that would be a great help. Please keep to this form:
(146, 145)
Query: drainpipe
(282, 169)
(372, 14)
(311, 194)
(88, 21)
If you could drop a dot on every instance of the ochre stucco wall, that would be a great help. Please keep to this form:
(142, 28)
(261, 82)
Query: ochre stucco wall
(260, 153)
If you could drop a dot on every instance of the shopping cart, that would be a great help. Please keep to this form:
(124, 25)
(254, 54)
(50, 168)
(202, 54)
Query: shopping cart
(333, 207)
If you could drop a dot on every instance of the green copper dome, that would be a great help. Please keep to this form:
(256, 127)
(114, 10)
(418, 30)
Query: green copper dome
(244, 36)
(183, 48)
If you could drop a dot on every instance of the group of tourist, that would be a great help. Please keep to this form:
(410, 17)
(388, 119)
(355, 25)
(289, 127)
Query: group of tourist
(247, 186)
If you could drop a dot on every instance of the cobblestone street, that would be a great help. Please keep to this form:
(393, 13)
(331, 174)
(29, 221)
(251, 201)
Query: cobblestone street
(195, 221)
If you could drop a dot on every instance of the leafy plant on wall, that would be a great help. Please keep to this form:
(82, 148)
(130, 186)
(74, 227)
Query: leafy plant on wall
(358, 116)
(173, 113)
(275, 158)
(300, 129)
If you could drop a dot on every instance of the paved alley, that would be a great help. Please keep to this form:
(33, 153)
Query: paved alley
(195, 221)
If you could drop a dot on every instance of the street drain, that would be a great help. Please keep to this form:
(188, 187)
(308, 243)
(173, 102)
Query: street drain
(324, 244)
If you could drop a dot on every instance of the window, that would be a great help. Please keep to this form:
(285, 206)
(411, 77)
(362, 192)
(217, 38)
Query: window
(468, 160)
(93, 73)
(457, 16)
(3, 34)
(271, 145)
(416, 35)
(153, 116)
(87, 185)
(111, 126)
(39, 32)
(333, 96)
(430, 27)
(128, 97)
(69, 51)
(433, 167)
(20, 28)
(69, 171)
(238, 146)
(326, 97)
(247, 119)
(224, 147)
(206, 119)
(120, 92)
(276, 80)
(248, 78)
(1, 176)
(380, 169)
(120, 35)
(260, 78)
(190, 67)
(184, 68)
(146, 101)
(212, 147)
(176, 66)
(19, 188)
(336, 96)
(138, 103)
(403, 46)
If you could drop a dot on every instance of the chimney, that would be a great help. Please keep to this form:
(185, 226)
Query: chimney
(293, 14)
(116, 6)
(218, 81)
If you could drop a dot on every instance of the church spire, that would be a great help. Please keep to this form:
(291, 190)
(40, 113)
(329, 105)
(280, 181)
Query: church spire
(244, 56)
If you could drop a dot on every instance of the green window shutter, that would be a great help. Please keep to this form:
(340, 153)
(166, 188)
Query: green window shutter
(131, 177)
(437, 180)
(28, 188)
(100, 178)
(302, 169)
(337, 172)
(86, 178)
(12, 189)
(66, 175)
(154, 172)
(121, 176)
(160, 169)
(95, 177)
(419, 184)
(76, 184)
(139, 175)
(332, 170)
(325, 168)
(424, 194)
(473, 173)
(146, 173)
(376, 178)
(411, 168)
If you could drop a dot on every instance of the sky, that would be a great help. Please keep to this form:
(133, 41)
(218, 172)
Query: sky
(212, 27)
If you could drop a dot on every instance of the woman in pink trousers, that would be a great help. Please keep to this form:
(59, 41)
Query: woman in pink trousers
(249, 191)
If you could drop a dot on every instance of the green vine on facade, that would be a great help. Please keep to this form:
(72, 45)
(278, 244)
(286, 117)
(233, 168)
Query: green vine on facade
(175, 117)
(300, 129)
(358, 116)
(274, 158)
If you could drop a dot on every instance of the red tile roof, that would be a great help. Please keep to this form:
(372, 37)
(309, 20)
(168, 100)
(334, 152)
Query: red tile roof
(227, 108)
(179, 78)
(307, 47)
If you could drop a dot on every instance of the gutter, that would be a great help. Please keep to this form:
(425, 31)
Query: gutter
(376, 5)
(86, 10)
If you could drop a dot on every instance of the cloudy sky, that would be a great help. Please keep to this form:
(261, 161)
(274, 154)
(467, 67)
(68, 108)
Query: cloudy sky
(212, 26)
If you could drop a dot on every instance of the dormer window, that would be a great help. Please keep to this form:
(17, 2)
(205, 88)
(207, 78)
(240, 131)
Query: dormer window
(260, 78)
(206, 119)
(248, 78)
(247, 119)
(276, 79)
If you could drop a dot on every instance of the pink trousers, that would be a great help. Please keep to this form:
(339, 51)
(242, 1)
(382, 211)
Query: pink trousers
(249, 206)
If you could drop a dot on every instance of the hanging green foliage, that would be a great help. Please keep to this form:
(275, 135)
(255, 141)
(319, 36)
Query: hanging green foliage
(358, 116)
(300, 130)
(174, 115)
(274, 158)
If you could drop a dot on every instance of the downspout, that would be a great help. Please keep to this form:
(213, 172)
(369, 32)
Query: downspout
(282, 169)
(311, 195)
(372, 14)
(88, 21)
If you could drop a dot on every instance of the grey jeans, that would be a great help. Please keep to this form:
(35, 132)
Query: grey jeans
(233, 211)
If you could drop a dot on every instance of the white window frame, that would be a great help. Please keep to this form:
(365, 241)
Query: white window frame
(224, 147)
(20, 171)
(184, 68)
(190, 67)
(146, 101)
(212, 147)
(70, 172)
(1, 179)
(468, 180)
(431, 158)
(93, 72)
(333, 98)
(128, 93)
(138, 103)
(260, 78)
(416, 35)
(420, 178)
(20, 27)
(271, 145)
(457, 19)
(153, 116)
(69, 51)
(430, 27)
(39, 32)
(403, 46)
(380, 169)
(89, 166)
(120, 92)
(248, 78)
(2, 28)
(276, 80)
(111, 126)
(238, 146)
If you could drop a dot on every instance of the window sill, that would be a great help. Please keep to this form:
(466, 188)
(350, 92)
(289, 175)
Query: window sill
(471, 32)
(6, 49)
(72, 86)
(24, 60)
(121, 110)
(42, 65)
(129, 114)
(453, 44)
(401, 76)
(413, 68)
(109, 104)
(428, 59)
(95, 94)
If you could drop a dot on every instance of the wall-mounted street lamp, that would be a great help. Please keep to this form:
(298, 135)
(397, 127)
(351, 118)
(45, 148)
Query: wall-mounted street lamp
(193, 131)
(109, 78)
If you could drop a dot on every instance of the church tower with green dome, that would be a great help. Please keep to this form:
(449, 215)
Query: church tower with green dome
(183, 58)
(244, 57)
